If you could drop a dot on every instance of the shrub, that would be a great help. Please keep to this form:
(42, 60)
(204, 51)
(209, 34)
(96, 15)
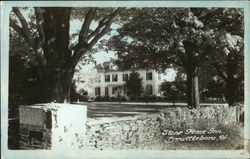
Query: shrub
(99, 98)
(113, 99)
(106, 98)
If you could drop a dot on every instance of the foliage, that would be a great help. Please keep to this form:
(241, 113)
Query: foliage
(133, 85)
(174, 91)
(85, 81)
(188, 39)
(184, 38)
(215, 89)
(228, 57)
(74, 95)
(23, 78)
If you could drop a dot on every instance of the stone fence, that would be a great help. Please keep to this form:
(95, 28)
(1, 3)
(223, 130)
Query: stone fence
(59, 126)
(140, 132)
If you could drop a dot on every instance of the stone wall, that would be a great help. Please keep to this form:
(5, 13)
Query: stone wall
(129, 133)
(35, 127)
(52, 126)
(209, 116)
(140, 132)
(64, 127)
(34, 137)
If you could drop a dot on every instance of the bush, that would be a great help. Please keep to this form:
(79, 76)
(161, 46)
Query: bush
(123, 99)
(99, 98)
(106, 98)
(152, 98)
(83, 98)
(113, 99)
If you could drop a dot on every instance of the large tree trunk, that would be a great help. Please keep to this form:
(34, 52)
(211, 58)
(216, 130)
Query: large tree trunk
(191, 66)
(193, 98)
(56, 41)
(60, 86)
(231, 92)
(233, 80)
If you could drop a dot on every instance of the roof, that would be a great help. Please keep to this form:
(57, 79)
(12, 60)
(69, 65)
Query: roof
(111, 66)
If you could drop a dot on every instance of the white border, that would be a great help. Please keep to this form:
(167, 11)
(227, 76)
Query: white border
(19, 154)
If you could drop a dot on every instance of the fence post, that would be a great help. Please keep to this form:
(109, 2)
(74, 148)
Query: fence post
(52, 126)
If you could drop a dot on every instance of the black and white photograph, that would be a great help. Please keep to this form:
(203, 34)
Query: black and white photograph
(112, 78)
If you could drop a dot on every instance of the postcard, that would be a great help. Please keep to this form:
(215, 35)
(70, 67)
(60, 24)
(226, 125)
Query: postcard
(125, 79)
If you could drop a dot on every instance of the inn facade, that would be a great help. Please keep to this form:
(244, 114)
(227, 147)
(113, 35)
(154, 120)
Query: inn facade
(110, 81)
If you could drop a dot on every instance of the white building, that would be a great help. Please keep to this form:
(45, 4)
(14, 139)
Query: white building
(110, 81)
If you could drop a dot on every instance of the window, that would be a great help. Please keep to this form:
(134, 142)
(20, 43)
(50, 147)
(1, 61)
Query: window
(114, 78)
(110, 66)
(107, 78)
(114, 90)
(97, 91)
(149, 89)
(106, 67)
(98, 78)
(106, 91)
(149, 76)
(125, 77)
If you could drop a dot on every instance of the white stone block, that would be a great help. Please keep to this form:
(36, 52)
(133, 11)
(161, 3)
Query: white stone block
(67, 123)
(69, 127)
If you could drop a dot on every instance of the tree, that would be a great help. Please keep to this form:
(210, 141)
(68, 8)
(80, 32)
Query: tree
(231, 71)
(74, 95)
(215, 89)
(133, 85)
(173, 37)
(174, 90)
(228, 59)
(162, 38)
(47, 33)
(23, 76)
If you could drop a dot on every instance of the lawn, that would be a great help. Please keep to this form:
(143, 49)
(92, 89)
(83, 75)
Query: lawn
(109, 109)
(114, 109)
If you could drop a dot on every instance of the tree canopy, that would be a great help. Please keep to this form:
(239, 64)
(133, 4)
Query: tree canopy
(184, 38)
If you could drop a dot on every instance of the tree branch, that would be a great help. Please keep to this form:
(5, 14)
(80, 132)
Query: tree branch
(98, 36)
(106, 28)
(21, 18)
(39, 23)
(101, 24)
(25, 33)
(143, 41)
(17, 28)
(25, 29)
(104, 22)
(83, 46)
(85, 27)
